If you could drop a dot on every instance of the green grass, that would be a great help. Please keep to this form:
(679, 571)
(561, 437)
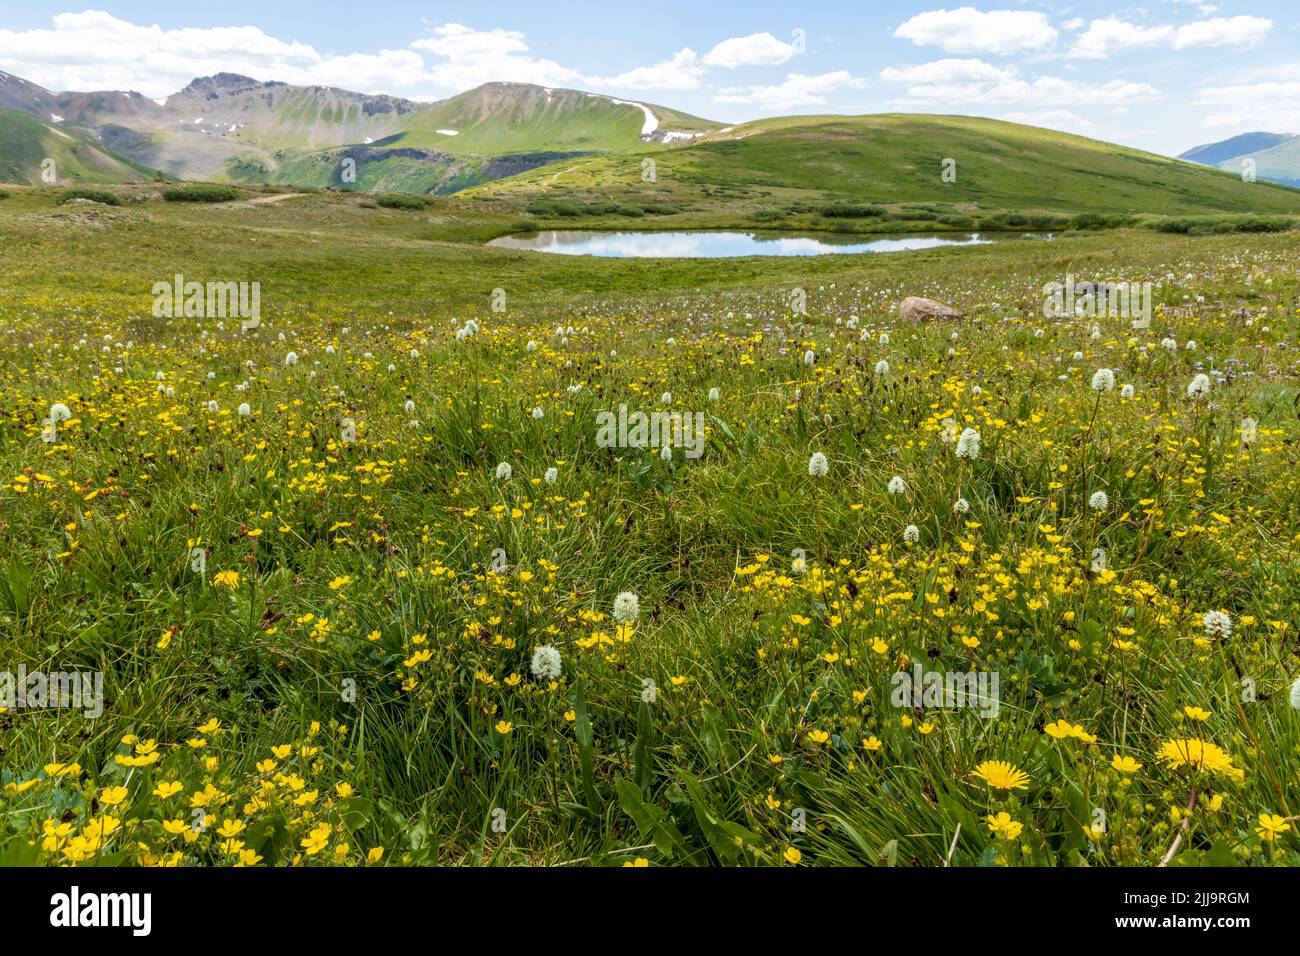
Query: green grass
(767, 680)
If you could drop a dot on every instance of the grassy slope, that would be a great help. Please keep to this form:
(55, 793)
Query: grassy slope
(893, 158)
(173, 473)
(498, 120)
(514, 118)
(25, 142)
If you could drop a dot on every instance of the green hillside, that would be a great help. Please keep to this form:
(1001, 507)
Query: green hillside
(514, 117)
(899, 159)
(26, 142)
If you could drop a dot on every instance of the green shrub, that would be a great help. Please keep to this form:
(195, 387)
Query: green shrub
(845, 211)
(4, 194)
(554, 208)
(560, 208)
(1020, 220)
(958, 221)
(1218, 225)
(201, 192)
(769, 215)
(404, 201)
(94, 195)
(1096, 220)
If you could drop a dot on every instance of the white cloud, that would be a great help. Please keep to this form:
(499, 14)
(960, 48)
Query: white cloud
(1241, 108)
(94, 50)
(681, 72)
(1104, 37)
(757, 49)
(946, 71)
(1066, 120)
(967, 30)
(974, 81)
(471, 57)
(798, 90)
(1223, 31)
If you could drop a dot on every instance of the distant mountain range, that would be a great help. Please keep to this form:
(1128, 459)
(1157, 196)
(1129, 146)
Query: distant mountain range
(496, 139)
(229, 127)
(1276, 155)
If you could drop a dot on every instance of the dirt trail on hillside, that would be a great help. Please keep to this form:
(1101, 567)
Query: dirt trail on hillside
(279, 197)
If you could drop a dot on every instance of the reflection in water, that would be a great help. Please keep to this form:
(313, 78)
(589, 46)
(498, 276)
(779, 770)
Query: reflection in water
(715, 245)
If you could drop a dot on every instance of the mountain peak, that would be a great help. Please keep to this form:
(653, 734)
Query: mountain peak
(1212, 154)
(220, 83)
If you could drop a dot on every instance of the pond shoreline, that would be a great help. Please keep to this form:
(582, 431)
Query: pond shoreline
(729, 243)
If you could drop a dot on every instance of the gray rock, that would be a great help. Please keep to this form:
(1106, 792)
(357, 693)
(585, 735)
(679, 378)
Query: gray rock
(916, 309)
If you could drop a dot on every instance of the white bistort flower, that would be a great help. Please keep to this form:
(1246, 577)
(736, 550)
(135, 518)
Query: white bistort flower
(1217, 624)
(1198, 387)
(666, 453)
(291, 359)
(409, 407)
(1126, 391)
(968, 445)
(809, 357)
(1099, 501)
(538, 413)
(818, 466)
(911, 534)
(1103, 380)
(897, 485)
(627, 606)
(882, 368)
(60, 412)
(1249, 431)
(245, 409)
(961, 507)
(714, 395)
(504, 471)
(552, 476)
(546, 663)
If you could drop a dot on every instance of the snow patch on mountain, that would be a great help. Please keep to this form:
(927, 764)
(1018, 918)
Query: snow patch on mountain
(651, 121)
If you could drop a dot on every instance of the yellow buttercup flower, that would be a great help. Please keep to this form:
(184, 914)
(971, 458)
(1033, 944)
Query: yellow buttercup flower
(1003, 826)
(1001, 775)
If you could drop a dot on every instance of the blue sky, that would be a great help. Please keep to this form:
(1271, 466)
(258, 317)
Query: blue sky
(1164, 76)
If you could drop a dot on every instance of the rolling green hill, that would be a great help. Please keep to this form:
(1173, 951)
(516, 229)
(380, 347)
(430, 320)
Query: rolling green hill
(26, 142)
(501, 118)
(897, 158)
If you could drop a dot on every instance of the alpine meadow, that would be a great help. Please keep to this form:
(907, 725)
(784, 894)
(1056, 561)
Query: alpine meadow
(476, 470)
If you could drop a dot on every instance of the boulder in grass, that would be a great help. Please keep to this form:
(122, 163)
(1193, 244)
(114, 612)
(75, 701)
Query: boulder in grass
(916, 309)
